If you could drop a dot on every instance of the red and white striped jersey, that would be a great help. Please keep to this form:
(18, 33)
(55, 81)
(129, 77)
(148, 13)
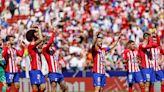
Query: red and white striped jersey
(144, 53)
(155, 57)
(10, 55)
(36, 62)
(132, 58)
(51, 57)
(99, 60)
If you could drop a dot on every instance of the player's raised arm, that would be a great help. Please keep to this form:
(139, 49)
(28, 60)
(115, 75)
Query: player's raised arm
(113, 45)
(147, 43)
(40, 38)
(21, 52)
(34, 36)
(95, 37)
(4, 52)
(50, 41)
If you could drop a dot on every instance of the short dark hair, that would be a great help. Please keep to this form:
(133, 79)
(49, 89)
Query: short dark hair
(145, 35)
(130, 41)
(9, 36)
(30, 35)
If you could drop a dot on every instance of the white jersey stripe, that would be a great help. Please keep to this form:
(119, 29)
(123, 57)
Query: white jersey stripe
(135, 64)
(129, 64)
(155, 52)
(10, 65)
(13, 57)
(132, 63)
(12, 60)
(52, 63)
(98, 64)
(56, 63)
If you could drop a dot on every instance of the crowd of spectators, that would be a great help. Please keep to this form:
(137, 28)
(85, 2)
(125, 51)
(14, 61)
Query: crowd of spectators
(77, 21)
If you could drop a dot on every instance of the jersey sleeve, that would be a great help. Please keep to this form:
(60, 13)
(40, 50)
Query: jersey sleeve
(4, 51)
(150, 45)
(124, 55)
(50, 42)
(158, 40)
(32, 45)
(20, 52)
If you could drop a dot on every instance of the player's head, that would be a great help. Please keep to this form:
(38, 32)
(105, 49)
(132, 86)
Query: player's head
(99, 40)
(32, 35)
(146, 36)
(10, 39)
(131, 45)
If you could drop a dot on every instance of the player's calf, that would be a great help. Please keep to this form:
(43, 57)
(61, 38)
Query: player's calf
(162, 86)
(35, 88)
(53, 86)
(17, 86)
(42, 87)
(147, 85)
(101, 89)
(64, 87)
(97, 89)
(151, 87)
(130, 87)
(8, 87)
(142, 86)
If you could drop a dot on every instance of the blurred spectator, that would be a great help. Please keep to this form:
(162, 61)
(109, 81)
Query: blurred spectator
(12, 6)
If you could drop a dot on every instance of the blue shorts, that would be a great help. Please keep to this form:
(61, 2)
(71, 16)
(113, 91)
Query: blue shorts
(135, 77)
(99, 79)
(148, 75)
(36, 77)
(55, 77)
(12, 77)
(159, 75)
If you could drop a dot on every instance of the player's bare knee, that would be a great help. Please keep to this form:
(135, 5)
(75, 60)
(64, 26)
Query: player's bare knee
(142, 84)
(35, 87)
(162, 83)
(147, 84)
(64, 86)
(42, 86)
(17, 85)
(97, 89)
(54, 84)
(101, 89)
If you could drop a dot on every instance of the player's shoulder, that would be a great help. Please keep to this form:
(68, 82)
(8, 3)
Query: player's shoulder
(159, 46)
(5, 47)
(136, 49)
(31, 44)
(140, 44)
(125, 51)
